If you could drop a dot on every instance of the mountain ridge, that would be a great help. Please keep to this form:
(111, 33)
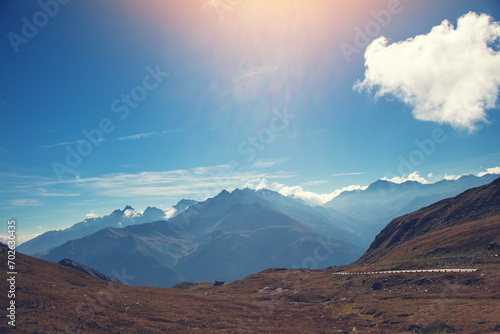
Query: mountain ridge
(477, 209)
(219, 235)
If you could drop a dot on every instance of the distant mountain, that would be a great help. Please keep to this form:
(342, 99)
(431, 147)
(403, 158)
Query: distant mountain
(84, 269)
(223, 238)
(466, 226)
(147, 252)
(184, 204)
(203, 218)
(384, 200)
(117, 219)
(251, 237)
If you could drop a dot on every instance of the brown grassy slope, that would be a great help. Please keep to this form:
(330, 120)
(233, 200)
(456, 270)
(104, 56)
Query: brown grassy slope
(446, 216)
(463, 246)
(55, 299)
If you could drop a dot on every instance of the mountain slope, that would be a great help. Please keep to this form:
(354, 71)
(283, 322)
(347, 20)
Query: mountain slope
(224, 238)
(384, 200)
(252, 238)
(201, 219)
(87, 270)
(466, 222)
(51, 298)
(147, 252)
(117, 219)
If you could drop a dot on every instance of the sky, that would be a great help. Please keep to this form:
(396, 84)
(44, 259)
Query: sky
(105, 104)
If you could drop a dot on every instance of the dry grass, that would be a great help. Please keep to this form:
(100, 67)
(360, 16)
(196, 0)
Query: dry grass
(52, 299)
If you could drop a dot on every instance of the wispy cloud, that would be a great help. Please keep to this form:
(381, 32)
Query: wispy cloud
(197, 183)
(269, 163)
(348, 174)
(63, 143)
(448, 75)
(91, 214)
(256, 71)
(146, 135)
(314, 183)
(23, 202)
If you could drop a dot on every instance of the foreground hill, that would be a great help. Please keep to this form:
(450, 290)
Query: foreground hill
(384, 200)
(452, 231)
(51, 298)
(224, 238)
(84, 269)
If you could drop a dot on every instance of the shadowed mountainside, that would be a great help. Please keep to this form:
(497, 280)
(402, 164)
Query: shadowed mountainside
(84, 269)
(384, 200)
(452, 227)
(224, 238)
(118, 218)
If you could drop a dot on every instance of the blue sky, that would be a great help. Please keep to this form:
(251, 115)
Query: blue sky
(107, 104)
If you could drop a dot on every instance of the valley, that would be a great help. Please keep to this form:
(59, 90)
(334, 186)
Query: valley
(406, 282)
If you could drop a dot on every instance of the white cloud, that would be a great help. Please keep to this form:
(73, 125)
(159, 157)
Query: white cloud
(130, 213)
(494, 170)
(298, 192)
(146, 135)
(314, 183)
(63, 143)
(196, 183)
(348, 174)
(448, 75)
(451, 177)
(263, 164)
(91, 214)
(25, 202)
(269, 163)
(415, 176)
(170, 212)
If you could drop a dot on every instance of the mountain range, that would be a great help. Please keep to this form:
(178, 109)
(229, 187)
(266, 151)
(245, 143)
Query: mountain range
(383, 200)
(117, 219)
(465, 229)
(454, 231)
(225, 238)
(237, 233)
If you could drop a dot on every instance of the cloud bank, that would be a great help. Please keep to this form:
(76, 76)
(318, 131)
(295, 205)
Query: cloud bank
(415, 176)
(494, 170)
(449, 76)
(309, 197)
